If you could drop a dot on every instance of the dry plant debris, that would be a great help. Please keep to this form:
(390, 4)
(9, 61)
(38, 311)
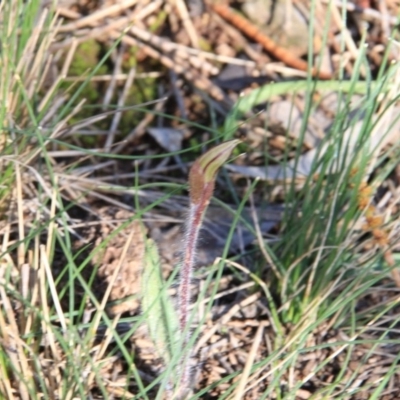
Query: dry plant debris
(196, 58)
(127, 284)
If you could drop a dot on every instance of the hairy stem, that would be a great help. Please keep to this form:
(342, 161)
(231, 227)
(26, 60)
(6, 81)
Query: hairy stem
(195, 217)
(201, 184)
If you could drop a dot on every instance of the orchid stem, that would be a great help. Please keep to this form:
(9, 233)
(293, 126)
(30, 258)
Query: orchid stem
(201, 184)
(193, 227)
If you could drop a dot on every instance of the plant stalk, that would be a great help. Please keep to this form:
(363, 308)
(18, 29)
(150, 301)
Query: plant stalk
(196, 213)
(201, 185)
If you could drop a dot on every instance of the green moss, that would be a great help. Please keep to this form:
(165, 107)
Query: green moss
(205, 45)
(158, 22)
(130, 60)
(142, 90)
(86, 58)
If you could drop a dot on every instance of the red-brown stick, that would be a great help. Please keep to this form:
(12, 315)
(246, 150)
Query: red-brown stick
(269, 45)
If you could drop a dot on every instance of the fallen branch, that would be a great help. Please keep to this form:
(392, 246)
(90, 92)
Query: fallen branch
(269, 45)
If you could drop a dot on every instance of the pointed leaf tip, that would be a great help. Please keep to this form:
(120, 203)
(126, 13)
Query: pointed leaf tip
(211, 161)
(204, 170)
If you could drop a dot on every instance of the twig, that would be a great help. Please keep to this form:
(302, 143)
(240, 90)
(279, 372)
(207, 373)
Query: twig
(166, 46)
(187, 22)
(118, 77)
(140, 128)
(169, 46)
(366, 12)
(200, 82)
(117, 116)
(269, 45)
(176, 88)
(113, 84)
(240, 390)
(95, 17)
(351, 46)
(385, 20)
(103, 31)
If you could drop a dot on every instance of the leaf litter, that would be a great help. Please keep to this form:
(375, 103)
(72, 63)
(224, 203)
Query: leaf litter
(238, 332)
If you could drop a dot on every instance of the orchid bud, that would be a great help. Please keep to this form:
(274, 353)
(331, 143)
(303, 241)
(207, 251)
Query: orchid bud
(204, 170)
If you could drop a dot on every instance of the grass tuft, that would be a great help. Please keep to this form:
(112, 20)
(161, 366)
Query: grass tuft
(321, 292)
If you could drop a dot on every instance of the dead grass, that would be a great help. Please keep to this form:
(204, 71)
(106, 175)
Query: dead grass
(82, 185)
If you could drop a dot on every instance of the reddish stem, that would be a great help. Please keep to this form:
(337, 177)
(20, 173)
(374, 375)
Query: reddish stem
(201, 183)
(194, 221)
(191, 237)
